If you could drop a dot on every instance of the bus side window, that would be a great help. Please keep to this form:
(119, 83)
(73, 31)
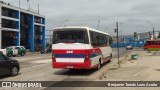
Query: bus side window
(158, 43)
(149, 43)
(93, 37)
(146, 43)
(107, 40)
(98, 39)
(104, 40)
(153, 43)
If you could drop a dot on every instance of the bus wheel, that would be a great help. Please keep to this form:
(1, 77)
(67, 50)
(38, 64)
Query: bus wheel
(148, 50)
(111, 56)
(99, 65)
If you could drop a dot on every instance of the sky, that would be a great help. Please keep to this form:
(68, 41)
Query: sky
(131, 14)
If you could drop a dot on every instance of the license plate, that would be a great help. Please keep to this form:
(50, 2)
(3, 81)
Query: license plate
(69, 66)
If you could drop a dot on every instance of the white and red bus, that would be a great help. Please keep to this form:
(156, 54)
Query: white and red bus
(76, 47)
(152, 45)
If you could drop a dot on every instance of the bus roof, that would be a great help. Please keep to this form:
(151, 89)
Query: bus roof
(80, 27)
(153, 40)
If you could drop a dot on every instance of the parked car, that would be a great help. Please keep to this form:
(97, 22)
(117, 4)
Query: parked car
(46, 50)
(11, 51)
(129, 47)
(3, 51)
(21, 50)
(15, 50)
(8, 66)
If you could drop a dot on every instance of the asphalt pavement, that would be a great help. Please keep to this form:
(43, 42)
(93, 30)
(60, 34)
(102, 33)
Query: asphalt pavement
(37, 67)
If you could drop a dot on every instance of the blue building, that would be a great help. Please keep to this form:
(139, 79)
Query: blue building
(20, 27)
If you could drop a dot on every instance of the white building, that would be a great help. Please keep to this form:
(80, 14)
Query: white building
(21, 27)
(148, 35)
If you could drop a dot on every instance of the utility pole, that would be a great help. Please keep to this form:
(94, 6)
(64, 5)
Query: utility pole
(118, 44)
(117, 31)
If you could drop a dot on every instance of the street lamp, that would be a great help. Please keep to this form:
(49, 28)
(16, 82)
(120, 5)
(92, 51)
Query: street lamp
(152, 27)
(98, 24)
(64, 22)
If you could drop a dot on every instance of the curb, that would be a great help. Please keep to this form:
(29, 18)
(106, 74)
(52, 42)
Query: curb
(114, 66)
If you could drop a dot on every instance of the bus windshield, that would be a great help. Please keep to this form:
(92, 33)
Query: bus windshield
(70, 36)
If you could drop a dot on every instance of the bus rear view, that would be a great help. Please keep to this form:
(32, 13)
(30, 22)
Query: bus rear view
(70, 48)
(80, 48)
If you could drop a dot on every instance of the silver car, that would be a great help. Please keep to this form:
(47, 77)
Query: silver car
(129, 47)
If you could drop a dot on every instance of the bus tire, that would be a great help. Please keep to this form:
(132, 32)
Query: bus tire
(99, 65)
(111, 56)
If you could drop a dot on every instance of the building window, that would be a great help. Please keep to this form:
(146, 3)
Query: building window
(9, 24)
(9, 12)
(37, 20)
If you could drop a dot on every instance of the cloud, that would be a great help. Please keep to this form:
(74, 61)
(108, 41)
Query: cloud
(132, 13)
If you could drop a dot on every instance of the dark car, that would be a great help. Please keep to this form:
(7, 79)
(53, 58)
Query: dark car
(46, 50)
(8, 66)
